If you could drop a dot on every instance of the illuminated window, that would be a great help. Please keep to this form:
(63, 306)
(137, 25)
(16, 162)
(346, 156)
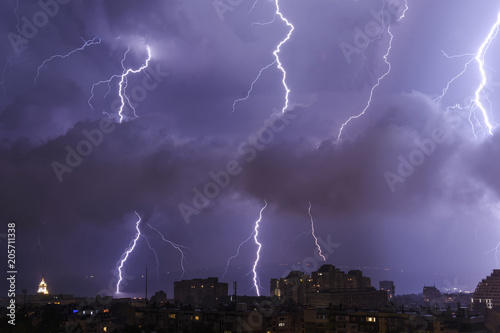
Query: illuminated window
(371, 319)
(171, 316)
(281, 324)
(196, 317)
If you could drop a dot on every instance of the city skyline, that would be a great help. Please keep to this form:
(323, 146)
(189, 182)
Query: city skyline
(244, 140)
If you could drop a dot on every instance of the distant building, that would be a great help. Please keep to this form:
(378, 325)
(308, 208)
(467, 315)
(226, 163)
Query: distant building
(327, 277)
(295, 287)
(42, 288)
(431, 294)
(200, 291)
(487, 291)
(389, 287)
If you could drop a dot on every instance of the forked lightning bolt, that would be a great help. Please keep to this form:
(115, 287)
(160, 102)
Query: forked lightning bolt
(495, 250)
(276, 53)
(381, 78)
(259, 246)
(87, 43)
(122, 84)
(178, 247)
(477, 101)
(314, 235)
(125, 255)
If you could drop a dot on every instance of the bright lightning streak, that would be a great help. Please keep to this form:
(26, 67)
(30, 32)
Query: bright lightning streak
(314, 235)
(256, 234)
(122, 85)
(237, 253)
(477, 101)
(276, 53)
(175, 246)
(87, 43)
(278, 50)
(127, 252)
(381, 78)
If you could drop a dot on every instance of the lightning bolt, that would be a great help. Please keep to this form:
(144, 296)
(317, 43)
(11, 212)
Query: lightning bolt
(259, 245)
(178, 247)
(476, 102)
(122, 84)
(314, 235)
(276, 53)
(380, 78)
(87, 43)
(237, 253)
(125, 255)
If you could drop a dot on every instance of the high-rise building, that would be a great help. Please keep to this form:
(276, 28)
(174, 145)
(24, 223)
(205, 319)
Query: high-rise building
(200, 291)
(389, 287)
(42, 288)
(295, 287)
(431, 293)
(488, 291)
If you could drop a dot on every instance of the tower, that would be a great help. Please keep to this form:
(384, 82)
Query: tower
(42, 288)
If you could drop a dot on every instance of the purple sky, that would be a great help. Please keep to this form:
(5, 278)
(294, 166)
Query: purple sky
(432, 223)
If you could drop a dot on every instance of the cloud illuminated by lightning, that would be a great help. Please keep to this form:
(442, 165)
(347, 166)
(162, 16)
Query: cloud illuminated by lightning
(380, 78)
(87, 43)
(178, 247)
(259, 245)
(127, 252)
(476, 102)
(276, 53)
(122, 84)
(314, 235)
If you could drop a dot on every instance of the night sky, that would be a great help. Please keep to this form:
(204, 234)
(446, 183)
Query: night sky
(409, 193)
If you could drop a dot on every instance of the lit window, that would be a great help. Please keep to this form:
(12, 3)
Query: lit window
(371, 319)
(171, 316)
(281, 324)
(196, 317)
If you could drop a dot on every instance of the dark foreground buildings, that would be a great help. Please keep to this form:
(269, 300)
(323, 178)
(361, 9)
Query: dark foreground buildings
(326, 301)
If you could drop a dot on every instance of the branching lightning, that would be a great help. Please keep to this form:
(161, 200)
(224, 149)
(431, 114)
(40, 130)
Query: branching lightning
(127, 252)
(237, 253)
(276, 53)
(251, 86)
(178, 247)
(476, 102)
(259, 246)
(156, 255)
(381, 78)
(314, 235)
(122, 84)
(87, 43)
(495, 250)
